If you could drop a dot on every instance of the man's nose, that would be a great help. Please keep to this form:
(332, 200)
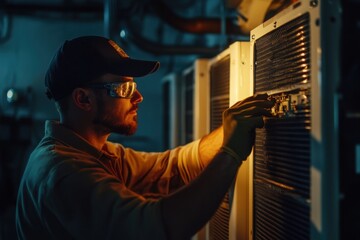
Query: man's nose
(137, 97)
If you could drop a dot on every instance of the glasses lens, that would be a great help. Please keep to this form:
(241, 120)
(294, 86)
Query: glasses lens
(125, 90)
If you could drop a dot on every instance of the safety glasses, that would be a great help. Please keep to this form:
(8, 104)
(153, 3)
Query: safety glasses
(116, 89)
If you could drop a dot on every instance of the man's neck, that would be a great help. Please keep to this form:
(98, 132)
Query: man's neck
(88, 132)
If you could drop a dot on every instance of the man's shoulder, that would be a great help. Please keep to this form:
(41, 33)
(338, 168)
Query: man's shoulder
(51, 158)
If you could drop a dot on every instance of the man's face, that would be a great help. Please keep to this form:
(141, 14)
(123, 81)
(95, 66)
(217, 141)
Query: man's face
(117, 115)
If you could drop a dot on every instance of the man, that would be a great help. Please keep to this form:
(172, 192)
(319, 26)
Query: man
(78, 185)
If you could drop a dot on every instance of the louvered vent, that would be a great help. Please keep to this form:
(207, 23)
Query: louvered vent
(219, 90)
(282, 147)
(282, 58)
(189, 102)
(219, 101)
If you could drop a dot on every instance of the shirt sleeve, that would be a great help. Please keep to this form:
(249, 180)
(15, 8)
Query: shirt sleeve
(160, 173)
(189, 163)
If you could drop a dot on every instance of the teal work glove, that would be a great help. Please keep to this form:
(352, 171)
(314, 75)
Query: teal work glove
(239, 123)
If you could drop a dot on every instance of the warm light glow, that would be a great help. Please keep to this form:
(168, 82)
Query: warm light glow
(281, 185)
(304, 81)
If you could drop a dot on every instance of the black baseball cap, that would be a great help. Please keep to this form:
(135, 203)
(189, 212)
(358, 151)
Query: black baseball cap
(83, 59)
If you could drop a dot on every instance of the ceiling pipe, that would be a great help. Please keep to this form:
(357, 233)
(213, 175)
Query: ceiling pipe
(23, 8)
(196, 25)
(111, 18)
(112, 31)
(6, 26)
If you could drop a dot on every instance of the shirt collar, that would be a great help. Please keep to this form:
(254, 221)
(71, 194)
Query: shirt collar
(67, 136)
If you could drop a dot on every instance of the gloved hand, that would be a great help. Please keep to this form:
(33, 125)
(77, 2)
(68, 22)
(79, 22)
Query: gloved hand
(239, 123)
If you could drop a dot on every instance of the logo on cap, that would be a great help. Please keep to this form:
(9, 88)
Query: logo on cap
(118, 49)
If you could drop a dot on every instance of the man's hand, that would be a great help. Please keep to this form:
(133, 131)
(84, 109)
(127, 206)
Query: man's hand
(239, 123)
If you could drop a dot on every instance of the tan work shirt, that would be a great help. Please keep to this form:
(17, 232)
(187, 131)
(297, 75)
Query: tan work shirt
(71, 190)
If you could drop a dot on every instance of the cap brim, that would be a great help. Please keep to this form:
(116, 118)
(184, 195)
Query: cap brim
(133, 67)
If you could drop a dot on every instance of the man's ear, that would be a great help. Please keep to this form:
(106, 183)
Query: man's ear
(82, 98)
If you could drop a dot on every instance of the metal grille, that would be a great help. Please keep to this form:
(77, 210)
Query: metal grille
(282, 147)
(219, 101)
(219, 223)
(282, 58)
(189, 102)
(219, 90)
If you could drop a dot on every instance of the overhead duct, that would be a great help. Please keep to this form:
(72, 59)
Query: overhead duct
(252, 13)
